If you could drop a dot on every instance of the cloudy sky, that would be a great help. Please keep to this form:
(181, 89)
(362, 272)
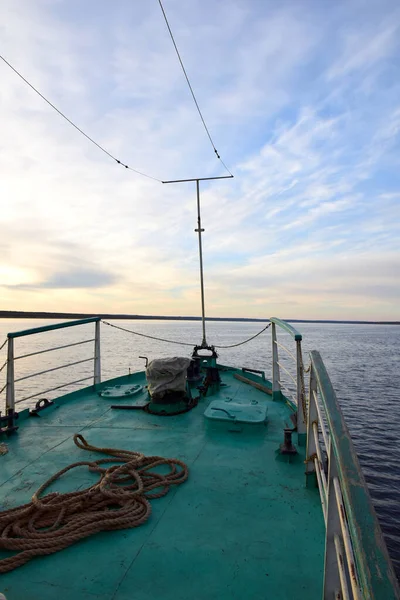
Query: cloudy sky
(302, 98)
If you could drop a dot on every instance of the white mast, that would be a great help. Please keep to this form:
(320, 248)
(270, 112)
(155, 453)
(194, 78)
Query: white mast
(199, 230)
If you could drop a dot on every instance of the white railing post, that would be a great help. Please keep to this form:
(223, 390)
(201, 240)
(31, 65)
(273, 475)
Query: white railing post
(276, 386)
(301, 407)
(10, 389)
(332, 584)
(97, 356)
(311, 450)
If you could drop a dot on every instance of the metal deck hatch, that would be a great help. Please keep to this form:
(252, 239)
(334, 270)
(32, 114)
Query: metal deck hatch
(252, 413)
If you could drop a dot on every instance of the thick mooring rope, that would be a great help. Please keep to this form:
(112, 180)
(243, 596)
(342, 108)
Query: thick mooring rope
(119, 500)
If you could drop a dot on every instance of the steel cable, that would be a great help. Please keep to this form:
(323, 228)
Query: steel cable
(191, 89)
(245, 341)
(153, 337)
(76, 126)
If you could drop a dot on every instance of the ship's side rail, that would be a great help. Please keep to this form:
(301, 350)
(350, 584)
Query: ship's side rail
(7, 422)
(288, 375)
(357, 564)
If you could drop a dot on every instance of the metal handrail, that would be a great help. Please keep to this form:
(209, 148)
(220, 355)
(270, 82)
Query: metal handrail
(286, 349)
(319, 457)
(347, 540)
(349, 511)
(296, 335)
(277, 386)
(321, 423)
(55, 348)
(11, 358)
(77, 362)
(54, 388)
(25, 332)
(287, 372)
(342, 573)
(321, 488)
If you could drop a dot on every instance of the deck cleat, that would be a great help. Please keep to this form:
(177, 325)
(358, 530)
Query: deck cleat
(287, 447)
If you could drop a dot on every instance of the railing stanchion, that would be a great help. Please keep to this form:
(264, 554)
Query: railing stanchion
(10, 389)
(311, 451)
(351, 563)
(301, 409)
(276, 377)
(97, 357)
(332, 583)
(344, 588)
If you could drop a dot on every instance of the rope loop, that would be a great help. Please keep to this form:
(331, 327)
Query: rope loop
(120, 499)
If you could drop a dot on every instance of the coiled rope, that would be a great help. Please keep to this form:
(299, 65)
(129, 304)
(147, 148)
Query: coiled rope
(159, 339)
(119, 500)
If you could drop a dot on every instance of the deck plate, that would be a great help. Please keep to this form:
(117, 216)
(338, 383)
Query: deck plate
(243, 526)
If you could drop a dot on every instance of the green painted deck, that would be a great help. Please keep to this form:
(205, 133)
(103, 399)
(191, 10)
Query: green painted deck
(243, 525)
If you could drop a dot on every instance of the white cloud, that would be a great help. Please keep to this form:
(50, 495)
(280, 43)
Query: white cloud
(364, 48)
(313, 151)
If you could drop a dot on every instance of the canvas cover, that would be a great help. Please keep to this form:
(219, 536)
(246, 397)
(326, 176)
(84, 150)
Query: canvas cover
(167, 375)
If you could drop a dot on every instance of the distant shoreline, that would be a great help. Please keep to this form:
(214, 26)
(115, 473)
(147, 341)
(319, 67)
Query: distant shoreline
(18, 314)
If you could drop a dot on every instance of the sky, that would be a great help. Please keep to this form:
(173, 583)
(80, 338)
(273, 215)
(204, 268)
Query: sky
(302, 99)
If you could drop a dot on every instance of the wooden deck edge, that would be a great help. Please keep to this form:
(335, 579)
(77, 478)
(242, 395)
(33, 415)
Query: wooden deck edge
(258, 386)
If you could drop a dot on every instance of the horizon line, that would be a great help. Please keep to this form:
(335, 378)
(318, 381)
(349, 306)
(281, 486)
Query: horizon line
(17, 314)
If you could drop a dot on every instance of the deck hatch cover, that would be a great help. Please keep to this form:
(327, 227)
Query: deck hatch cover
(237, 412)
